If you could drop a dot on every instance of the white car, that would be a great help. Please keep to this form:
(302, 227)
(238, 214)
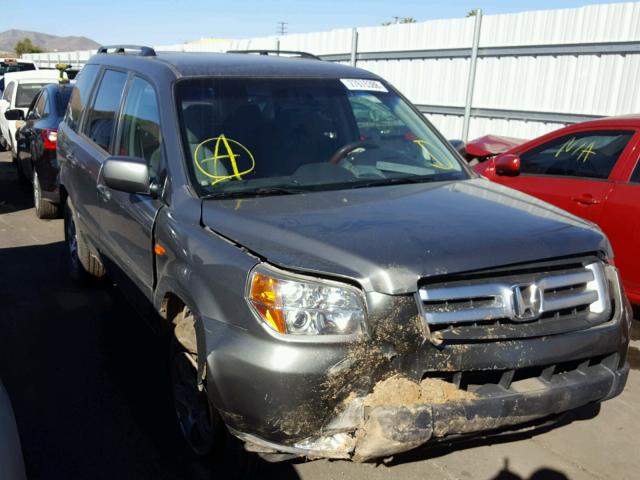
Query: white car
(10, 65)
(20, 90)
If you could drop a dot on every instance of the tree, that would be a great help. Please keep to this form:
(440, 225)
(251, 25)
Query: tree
(26, 46)
(399, 20)
(472, 13)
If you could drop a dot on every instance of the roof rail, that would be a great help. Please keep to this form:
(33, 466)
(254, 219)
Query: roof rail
(277, 53)
(122, 49)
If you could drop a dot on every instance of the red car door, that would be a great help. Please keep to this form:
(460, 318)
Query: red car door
(621, 222)
(570, 170)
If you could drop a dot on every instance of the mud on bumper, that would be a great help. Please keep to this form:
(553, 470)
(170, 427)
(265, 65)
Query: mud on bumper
(391, 429)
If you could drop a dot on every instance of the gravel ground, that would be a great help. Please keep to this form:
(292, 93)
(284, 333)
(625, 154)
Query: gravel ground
(87, 382)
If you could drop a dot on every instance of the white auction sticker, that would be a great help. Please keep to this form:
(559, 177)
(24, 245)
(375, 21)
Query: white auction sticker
(363, 84)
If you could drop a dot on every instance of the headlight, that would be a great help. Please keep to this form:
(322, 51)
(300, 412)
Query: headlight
(299, 305)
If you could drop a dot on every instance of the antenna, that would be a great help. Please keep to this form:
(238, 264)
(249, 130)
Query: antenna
(281, 28)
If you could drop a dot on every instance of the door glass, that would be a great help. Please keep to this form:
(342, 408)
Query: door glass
(140, 130)
(102, 114)
(80, 95)
(635, 178)
(585, 154)
(38, 108)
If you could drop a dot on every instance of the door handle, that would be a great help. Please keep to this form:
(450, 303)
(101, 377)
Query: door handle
(585, 199)
(104, 192)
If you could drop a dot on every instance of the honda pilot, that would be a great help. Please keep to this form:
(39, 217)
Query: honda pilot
(335, 281)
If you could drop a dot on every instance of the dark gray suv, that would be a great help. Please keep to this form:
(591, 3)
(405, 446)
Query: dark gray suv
(337, 283)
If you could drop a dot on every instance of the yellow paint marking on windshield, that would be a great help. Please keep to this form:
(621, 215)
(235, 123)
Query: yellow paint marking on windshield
(226, 154)
(586, 151)
(568, 147)
(572, 147)
(447, 164)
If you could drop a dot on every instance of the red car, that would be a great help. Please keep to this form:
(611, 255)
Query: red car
(590, 169)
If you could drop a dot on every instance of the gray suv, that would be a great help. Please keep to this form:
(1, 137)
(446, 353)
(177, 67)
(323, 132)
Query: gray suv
(335, 281)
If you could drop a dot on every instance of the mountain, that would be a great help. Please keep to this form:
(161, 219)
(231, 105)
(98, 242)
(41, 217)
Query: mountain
(45, 41)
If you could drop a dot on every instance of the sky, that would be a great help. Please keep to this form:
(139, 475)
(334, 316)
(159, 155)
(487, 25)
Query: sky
(161, 22)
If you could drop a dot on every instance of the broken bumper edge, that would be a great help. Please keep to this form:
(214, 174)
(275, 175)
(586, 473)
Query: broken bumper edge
(388, 430)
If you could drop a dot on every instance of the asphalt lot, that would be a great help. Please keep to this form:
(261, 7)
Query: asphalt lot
(87, 382)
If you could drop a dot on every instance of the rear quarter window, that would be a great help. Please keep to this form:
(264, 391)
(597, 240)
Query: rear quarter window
(8, 93)
(61, 100)
(26, 93)
(80, 95)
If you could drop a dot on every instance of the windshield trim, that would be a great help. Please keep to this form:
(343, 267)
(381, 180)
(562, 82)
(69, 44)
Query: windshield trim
(294, 190)
(466, 171)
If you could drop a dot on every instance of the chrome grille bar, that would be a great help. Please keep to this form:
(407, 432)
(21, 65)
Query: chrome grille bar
(487, 300)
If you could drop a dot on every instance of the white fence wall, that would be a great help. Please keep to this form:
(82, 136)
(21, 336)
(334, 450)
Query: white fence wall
(522, 91)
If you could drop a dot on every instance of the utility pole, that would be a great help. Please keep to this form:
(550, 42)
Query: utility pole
(281, 28)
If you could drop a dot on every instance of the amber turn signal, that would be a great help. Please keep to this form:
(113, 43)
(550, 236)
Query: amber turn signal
(159, 250)
(264, 295)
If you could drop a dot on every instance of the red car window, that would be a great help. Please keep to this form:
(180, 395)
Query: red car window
(590, 154)
(635, 178)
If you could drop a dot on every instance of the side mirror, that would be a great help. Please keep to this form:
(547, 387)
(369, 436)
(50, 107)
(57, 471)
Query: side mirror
(508, 165)
(459, 145)
(126, 174)
(14, 114)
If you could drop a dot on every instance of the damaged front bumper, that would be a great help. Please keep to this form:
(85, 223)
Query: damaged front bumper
(391, 429)
(310, 402)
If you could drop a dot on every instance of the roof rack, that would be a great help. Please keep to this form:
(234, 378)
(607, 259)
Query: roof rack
(278, 53)
(124, 49)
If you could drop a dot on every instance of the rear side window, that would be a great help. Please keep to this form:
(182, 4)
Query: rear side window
(140, 125)
(585, 154)
(101, 117)
(80, 95)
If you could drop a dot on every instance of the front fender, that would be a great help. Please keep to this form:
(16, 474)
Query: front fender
(206, 272)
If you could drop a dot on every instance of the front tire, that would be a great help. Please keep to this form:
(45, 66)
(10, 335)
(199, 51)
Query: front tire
(44, 209)
(84, 267)
(201, 426)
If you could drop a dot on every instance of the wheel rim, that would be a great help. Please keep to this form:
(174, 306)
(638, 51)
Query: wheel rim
(36, 191)
(191, 404)
(72, 240)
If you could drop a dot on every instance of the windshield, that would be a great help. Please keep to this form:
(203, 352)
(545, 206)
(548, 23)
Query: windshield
(10, 67)
(269, 136)
(26, 93)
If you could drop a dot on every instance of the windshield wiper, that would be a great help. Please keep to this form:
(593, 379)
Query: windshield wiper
(258, 192)
(402, 180)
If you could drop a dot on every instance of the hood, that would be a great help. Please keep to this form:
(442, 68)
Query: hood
(387, 238)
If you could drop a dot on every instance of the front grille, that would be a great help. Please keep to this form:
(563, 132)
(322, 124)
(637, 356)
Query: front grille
(498, 382)
(516, 305)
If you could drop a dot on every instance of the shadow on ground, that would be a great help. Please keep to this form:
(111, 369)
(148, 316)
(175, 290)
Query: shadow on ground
(88, 382)
(15, 195)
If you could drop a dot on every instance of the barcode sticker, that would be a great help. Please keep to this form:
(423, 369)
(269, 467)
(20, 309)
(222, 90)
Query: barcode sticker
(363, 84)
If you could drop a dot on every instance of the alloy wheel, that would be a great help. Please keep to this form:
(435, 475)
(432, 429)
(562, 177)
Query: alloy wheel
(36, 192)
(192, 406)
